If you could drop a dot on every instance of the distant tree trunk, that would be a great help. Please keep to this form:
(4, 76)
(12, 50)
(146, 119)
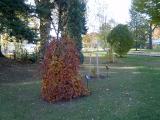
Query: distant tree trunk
(136, 46)
(111, 55)
(1, 55)
(44, 35)
(45, 23)
(150, 36)
(136, 38)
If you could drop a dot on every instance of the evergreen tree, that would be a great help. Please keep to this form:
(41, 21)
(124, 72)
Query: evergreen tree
(69, 19)
(120, 38)
(76, 23)
(43, 9)
(13, 19)
(62, 15)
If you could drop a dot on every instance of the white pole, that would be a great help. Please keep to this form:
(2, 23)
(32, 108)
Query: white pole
(90, 59)
(97, 64)
(97, 61)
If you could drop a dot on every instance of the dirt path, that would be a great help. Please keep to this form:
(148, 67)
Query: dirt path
(143, 53)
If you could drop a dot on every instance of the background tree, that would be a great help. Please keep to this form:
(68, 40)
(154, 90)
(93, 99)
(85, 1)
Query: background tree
(152, 10)
(105, 28)
(13, 19)
(87, 40)
(65, 16)
(149, 7)
(140, 28)
(121, 40)
(1, 55)
(43, 10)
(104, 31)
(76, 23)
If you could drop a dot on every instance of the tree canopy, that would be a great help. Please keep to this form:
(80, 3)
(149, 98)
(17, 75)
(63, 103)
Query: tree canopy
(149, 7)
(139, 26)
(14, 16)
(76, 23)
(66, 17)
(13, 19)
(105, 28)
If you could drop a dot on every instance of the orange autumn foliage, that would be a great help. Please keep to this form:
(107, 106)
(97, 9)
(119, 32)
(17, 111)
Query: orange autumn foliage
(60, 73)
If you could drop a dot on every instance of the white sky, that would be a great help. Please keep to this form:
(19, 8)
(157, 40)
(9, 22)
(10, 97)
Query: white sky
(115, 9)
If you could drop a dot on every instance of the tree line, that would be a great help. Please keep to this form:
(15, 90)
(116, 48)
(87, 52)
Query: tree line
(144, 20)
(66, 17)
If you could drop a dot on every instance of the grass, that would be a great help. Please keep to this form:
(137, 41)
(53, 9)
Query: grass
(93, 53)
(156, 49)
(130, 93)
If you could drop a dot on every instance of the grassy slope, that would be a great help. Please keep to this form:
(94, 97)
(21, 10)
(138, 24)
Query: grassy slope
(130, 93)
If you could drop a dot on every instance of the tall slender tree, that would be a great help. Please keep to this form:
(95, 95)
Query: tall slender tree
(43, 9)
(105, 28)
(67, 18)
(61, 7)
(76, 22)
(139, 26)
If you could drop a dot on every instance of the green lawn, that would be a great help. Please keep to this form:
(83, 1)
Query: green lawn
(132, 92)
(157, 49)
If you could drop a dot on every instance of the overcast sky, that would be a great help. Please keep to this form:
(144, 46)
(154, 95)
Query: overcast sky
(115, 9)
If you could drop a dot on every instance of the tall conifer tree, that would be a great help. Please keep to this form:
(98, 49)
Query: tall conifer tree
(76, 24)
(13, 19)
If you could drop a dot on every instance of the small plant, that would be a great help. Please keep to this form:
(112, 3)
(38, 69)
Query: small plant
(94, 72)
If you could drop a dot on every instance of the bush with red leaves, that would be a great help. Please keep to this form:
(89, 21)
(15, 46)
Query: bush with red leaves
(60, 72)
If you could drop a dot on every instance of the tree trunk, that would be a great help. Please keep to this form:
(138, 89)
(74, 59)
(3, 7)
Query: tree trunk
(136, 40)
(44, 35)
(111, 55)
(44, 29)
(150, 36)
(136, 46)
(1, 54)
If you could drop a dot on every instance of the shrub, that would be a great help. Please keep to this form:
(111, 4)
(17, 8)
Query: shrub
(60, 72)
(121, 40)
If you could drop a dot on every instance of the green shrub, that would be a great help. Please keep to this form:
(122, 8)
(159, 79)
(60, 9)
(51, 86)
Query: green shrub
(121, 40)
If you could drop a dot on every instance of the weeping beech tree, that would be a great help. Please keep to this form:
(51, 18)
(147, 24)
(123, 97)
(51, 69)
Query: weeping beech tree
(61, 79)
(60, 72)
